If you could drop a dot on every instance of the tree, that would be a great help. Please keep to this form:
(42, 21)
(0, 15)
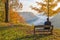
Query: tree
(10, 6)
(1, 11)
(52, 5)
(6, 10)
(13, 16)
(15, 4)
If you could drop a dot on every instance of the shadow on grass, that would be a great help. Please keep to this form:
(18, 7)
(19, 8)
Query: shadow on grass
(31, 37)
(8, 27)
(4, 28)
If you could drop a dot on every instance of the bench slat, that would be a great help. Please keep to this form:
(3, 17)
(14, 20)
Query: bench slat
(43, 28)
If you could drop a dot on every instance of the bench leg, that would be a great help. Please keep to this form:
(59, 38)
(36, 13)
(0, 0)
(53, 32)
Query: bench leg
(51, 32)
(34, 34)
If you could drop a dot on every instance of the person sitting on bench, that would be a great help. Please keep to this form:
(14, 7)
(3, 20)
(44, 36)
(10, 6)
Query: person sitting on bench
(47, 22)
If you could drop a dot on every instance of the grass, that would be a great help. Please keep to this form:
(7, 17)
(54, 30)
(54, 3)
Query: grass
(25, 32)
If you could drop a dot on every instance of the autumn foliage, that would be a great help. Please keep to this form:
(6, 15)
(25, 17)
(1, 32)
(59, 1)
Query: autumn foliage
(15, 17)
(44, 7)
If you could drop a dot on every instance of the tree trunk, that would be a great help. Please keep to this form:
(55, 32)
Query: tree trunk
(6, 11)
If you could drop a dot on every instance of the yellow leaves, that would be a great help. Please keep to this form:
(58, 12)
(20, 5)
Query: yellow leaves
(38, 10)
(53, 5)
(41, 4)
(44, 7)
(58, 0)
(49, 1)
(1, 17)
(58, 10)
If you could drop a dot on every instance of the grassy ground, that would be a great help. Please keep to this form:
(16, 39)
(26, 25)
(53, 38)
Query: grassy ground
(24, 32)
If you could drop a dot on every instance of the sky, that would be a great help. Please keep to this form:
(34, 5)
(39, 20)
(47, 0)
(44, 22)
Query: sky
(28, 3)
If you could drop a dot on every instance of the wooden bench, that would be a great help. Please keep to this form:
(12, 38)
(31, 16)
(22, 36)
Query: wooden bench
(43, 29)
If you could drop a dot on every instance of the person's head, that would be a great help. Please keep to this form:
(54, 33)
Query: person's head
(47, 19)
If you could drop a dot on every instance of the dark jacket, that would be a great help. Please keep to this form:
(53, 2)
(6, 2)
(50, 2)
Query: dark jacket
(47, 23)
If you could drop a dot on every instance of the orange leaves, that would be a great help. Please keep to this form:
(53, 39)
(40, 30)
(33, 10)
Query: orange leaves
(3, 1)
(15, 18)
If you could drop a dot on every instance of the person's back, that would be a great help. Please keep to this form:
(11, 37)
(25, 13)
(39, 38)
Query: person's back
(47, 22)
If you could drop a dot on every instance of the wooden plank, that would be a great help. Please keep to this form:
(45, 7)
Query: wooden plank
(43, 33)
(42, 29)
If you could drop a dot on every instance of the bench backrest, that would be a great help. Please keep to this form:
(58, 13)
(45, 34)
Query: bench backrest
(43, 28)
